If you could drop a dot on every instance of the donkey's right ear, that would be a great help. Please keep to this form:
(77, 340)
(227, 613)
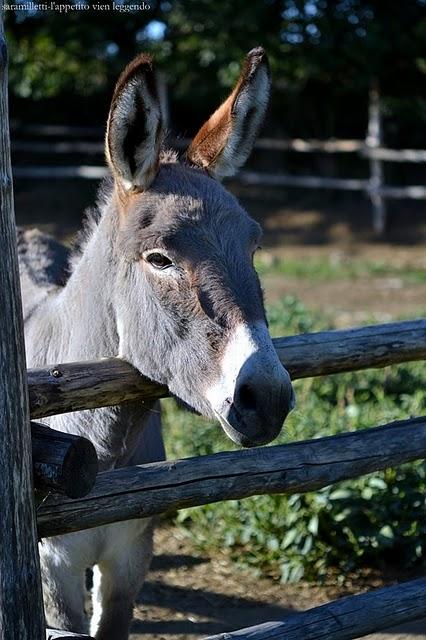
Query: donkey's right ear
(225, 141)
(135, 126)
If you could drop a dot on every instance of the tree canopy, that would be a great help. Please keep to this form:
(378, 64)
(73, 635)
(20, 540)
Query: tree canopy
(324, 54)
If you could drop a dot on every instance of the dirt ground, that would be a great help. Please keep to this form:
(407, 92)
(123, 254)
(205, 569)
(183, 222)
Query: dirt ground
(188, 595)
(340, 230)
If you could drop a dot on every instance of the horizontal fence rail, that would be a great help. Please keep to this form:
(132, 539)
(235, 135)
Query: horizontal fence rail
(55, 634)
(81, 171)
(253, 178)
(145, 490)
(371, 149)
(87, 385)
(268, 144)
(344, 619)
(248, 178)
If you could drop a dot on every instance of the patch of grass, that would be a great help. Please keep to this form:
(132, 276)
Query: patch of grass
(334, 268)
(369, 521)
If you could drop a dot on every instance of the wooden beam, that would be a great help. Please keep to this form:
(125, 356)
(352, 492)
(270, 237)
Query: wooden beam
(145, 490)
(395, 155)
(249, 178)
(62, 462)
(374, 141)
(81, 171)
(55, 634)
(86, 385)
(411, 192)
(68, 147)
(262, 179)
(344, 619)
(254, 178)
(21, 605)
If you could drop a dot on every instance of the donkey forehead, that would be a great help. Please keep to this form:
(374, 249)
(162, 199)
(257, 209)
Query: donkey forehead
(185, 208)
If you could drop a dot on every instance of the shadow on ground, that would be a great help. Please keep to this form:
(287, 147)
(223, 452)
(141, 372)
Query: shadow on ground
(189, 596)
(196, 611)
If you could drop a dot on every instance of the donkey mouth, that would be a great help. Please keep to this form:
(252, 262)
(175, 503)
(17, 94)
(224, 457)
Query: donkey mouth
(243, 434)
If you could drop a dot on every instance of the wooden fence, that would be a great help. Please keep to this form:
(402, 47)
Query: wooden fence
(371, 149)
(156, 488)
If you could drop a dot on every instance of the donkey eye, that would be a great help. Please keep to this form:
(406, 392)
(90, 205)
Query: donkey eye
(158, 260)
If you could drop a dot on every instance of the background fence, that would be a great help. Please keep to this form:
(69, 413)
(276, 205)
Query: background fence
(87, 142)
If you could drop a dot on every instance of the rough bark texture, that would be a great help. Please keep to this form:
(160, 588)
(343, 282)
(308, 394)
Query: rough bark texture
(136, 492)
(21, 609)
(63, 462)
(54, 634)
(86, 385)
(344, 619)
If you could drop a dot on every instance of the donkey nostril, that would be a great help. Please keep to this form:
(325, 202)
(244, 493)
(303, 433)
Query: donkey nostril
(247, 397)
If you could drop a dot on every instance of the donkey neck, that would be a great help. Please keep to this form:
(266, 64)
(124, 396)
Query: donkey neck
(84, 308)
(77, 322)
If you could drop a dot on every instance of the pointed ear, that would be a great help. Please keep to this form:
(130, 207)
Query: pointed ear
(225, 141)
(135, 126)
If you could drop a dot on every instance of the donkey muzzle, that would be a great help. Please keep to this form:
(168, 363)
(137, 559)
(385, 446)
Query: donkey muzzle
(257, 411)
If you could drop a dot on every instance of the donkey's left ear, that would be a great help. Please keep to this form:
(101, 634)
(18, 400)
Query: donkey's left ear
(135, 126)
(225, 141)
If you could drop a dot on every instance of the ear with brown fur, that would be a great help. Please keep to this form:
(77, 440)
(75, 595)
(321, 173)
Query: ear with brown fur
(225, 141)
(135, 126)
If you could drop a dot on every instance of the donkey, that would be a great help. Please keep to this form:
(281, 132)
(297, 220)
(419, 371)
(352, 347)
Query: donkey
(165, 280)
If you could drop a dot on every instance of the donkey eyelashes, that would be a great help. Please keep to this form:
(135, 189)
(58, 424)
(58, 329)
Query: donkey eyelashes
(158, 260)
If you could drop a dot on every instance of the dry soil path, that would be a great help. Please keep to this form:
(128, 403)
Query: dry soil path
(191, 596)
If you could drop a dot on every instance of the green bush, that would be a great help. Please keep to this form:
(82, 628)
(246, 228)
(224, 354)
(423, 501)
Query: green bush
(370, 521)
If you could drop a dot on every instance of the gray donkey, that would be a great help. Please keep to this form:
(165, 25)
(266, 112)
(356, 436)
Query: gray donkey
(165, 280)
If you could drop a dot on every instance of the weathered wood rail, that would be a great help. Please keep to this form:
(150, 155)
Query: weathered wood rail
(344, 619)
(55, 634)
(86, 385)
(136, 492)
(62, 462)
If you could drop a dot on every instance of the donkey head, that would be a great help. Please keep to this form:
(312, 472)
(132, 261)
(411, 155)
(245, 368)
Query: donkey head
(188, 301)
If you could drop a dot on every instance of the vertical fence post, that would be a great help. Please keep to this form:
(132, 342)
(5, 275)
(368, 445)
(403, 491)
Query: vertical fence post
(374, 141)
(21, 607)
(163, 90)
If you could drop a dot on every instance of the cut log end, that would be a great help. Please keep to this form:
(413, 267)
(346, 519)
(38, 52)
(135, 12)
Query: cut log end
(63, 462)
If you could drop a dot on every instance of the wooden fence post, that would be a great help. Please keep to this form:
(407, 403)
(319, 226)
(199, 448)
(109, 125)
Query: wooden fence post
(374, 141)
(21, 607)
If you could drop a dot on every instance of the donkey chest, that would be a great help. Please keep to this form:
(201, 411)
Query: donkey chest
(114, 431)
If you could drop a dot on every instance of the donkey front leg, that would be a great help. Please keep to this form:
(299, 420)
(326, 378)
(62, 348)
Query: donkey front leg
(63, 590)
(118, 578)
